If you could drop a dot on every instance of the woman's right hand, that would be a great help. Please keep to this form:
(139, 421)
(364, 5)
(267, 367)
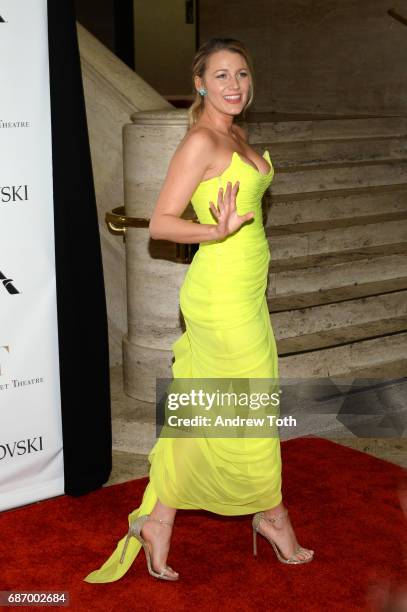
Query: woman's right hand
(228, 219)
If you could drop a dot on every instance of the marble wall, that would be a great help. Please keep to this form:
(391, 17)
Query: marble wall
(113, 93)
(318, 56)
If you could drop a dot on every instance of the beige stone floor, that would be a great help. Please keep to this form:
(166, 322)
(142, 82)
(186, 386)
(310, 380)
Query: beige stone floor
(128, 466)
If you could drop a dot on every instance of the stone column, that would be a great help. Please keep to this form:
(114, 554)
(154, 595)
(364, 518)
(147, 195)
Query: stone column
(154, 277)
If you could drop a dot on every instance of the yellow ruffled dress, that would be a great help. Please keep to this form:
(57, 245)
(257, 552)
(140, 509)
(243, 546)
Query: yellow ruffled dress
(228, 335)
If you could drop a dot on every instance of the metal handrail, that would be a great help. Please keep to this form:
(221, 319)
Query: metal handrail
(397, 16)
(118, 223)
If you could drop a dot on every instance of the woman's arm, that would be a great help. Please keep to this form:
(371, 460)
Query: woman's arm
(185, 171)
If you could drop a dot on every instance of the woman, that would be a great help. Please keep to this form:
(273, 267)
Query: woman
(228, 331)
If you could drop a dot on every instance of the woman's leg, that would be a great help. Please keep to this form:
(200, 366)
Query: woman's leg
(282, 533)
(158, 536)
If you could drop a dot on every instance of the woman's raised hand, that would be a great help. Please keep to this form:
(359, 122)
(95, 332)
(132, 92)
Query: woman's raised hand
(228, 219)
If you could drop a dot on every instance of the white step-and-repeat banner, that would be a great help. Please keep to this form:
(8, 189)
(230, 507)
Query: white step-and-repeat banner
(31, 450)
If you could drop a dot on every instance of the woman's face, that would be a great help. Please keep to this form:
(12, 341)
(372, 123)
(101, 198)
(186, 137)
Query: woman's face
(227, 80)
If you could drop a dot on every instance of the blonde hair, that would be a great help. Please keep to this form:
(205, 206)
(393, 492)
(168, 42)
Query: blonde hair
(199, 66)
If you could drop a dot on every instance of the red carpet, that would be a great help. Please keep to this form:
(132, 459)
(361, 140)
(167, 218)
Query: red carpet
(343, 503)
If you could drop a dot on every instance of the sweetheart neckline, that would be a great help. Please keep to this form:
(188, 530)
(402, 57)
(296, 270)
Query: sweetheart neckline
(246, 164)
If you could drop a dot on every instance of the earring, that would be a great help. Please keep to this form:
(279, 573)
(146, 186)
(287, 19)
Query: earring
(202, 92)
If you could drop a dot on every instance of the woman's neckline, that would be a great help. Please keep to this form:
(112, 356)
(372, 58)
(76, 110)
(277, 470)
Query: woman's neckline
(235, 153)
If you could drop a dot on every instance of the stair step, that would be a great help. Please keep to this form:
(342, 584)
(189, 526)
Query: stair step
(329, 296)
(133, 425)
(371, 329)
(328, 177)
(347, 359)
(287, 245)
(352, 150)
(318, 129)
(133, 435)
(387, 370)
(316, 327)
(316, 282)
(329, 259)
(350, 207)
(314, 226)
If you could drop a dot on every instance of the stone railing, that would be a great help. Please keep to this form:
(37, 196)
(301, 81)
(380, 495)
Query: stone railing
(113, 92)
(155, 268)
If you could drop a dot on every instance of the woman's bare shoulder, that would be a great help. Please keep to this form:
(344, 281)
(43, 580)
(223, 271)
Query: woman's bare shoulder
(197, 141)
(195, 152)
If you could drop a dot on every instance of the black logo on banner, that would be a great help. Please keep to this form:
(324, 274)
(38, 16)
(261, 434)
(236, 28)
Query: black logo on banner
(2, 20)
(8, 284)
(7, 349)
(13, 193)
(21, 447)
(13, 124)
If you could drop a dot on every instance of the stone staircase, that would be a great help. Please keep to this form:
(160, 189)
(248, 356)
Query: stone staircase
(337, 226)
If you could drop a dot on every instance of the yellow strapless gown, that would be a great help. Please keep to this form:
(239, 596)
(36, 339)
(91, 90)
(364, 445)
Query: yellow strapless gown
(228, 334)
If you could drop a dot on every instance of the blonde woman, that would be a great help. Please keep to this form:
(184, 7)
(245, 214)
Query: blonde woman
(228, 331)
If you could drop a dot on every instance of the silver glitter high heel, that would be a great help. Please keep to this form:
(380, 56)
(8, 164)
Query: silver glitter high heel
(256, 523)
(135, 531)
